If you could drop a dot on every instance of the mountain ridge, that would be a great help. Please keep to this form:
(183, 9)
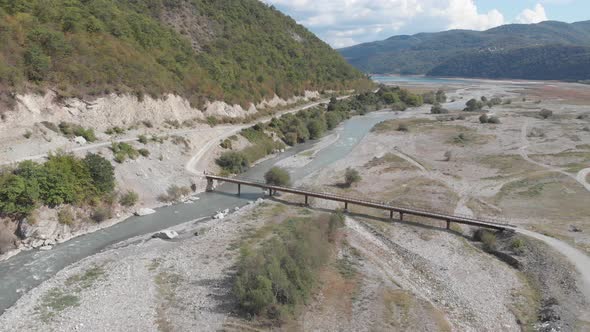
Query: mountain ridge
(203, 50)
(422, 52)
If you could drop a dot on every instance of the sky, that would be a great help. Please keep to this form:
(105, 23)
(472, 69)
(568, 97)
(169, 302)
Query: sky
(344, 23)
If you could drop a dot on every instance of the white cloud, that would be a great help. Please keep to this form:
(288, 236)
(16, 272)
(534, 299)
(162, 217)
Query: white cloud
(535, 15)
(347, 22)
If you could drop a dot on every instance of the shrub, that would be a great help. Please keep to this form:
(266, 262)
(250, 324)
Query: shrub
(129, 199)
(473, 105)
(486, 237)
(483, 118)
(545, 113)
(448, 155)
(122, 151)
(72, 130)
(277, 176)
(142, 139)
(144, 152)
(517, 245)
(438, 109)
(174, 193)
(494, 120)
(351, 176)
(279, 274)
(212, 121)
(233, 162)
(226, 144)
(115, 131)
(403, 127)
(27, 134)
(147, 124)
(101, 214)
(65, 216)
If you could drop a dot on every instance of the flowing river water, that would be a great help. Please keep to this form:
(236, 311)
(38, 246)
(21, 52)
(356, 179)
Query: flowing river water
(28, 269)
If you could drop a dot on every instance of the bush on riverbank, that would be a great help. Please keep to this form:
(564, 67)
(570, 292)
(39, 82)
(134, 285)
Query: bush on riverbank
(277, 176)
(233, 162)
(63, 179)
(279, 274)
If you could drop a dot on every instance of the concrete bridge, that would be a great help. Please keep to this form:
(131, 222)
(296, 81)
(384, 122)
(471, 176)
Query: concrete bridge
(402, 211)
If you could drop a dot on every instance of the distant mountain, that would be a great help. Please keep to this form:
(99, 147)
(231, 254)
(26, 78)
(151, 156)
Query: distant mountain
(422, 53)
(236, 51)
(553, 62)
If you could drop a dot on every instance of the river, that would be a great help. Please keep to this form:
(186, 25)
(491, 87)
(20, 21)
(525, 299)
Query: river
(28, 269)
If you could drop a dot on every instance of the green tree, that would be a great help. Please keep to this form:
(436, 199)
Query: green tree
(101, 171)
(233, 162)
(18, 196)
(277, 176)
(316, 128)
(36, 63)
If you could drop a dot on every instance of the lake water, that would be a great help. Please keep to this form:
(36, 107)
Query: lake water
(29, 269)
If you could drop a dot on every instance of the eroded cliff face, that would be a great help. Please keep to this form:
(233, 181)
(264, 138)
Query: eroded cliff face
(149, 176)
(123, 110)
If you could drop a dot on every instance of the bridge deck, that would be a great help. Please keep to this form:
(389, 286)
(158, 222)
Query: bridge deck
(487, 223)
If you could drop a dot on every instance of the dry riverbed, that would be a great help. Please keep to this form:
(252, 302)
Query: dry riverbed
(410, 276)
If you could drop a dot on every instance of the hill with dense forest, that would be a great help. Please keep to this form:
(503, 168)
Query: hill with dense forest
(235, 51)
(556, 62)
(421, 53)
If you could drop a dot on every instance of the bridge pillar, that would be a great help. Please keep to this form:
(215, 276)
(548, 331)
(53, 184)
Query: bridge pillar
(448, 224)
(306, 200)
(346, 206)
(401, 216)
(239, 189)
(391, 214)
(210, 185)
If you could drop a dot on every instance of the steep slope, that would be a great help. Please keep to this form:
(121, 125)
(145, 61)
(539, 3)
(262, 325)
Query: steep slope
(418, 54)
(235, 51)
(556, 62)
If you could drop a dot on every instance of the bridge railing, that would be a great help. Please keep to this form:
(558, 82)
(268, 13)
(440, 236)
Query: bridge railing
(385, 205)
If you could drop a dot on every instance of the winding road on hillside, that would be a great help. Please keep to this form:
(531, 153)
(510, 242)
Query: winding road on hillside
(227, 130)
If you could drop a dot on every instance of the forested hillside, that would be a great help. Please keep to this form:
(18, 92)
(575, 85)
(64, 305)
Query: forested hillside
(236, 51)
(421, 53)
(538, 63)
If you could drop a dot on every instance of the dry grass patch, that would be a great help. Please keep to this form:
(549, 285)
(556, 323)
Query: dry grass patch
(391, 162)
(405, 312)
(395, 125)
(545, 196)
(508, 165)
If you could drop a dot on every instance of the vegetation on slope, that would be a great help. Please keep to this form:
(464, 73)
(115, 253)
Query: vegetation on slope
(237, 51)
(419, 54)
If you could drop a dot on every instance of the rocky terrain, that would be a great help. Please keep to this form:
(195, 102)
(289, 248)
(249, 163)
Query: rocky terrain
(177, 136)
(408, 276)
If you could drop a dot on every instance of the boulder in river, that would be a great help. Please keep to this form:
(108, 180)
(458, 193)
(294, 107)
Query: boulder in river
(144, 212)
(219, 215)
(45, 248)
(166, 235)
